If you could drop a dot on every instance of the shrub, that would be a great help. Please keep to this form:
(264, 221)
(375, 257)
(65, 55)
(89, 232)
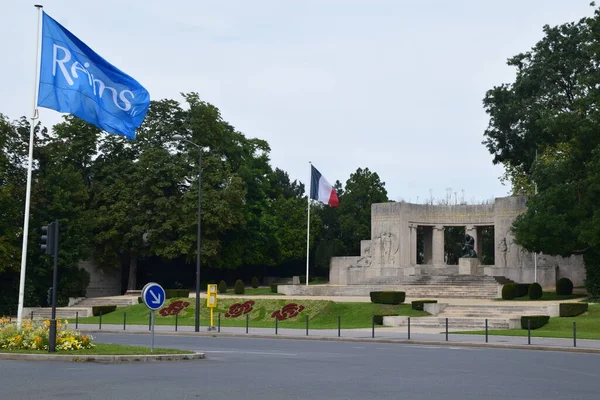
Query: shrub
(418, 304)
(222, 287)
(572, 309)
(175, 293)
(564, 287)
(537, 321)
(509, 291)
(140, 301)
(535, 291)
(254, 282)
(387, 297)
(274, 288)
(96, 310)
(522, 289)
(239, 288)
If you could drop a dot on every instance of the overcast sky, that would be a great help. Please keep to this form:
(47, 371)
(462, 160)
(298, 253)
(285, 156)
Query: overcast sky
(393, 86)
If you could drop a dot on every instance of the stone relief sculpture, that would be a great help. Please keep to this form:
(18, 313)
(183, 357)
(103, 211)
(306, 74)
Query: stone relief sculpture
(502, 249)
(381, 251)
(468, 249)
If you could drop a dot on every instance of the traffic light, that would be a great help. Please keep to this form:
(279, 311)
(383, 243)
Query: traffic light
(48, 238)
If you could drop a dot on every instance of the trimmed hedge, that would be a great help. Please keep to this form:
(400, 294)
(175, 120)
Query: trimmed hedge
(96, 310)
(418, 304)
(222, 287)
(274, 288)
(522, 289)
(535, 291)
(509, 291)
(254, 282)
(140, 301)
(387, 297)
(564, 287)
(537, 321)
(239, 288)
(572, 309)
(175, 293)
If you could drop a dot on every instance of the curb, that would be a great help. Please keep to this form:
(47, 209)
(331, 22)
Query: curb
(369, 340)
(101, 358)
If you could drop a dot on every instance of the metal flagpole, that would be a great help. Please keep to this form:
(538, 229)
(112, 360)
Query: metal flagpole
(29, 168)
(535, 254)
(308, 222)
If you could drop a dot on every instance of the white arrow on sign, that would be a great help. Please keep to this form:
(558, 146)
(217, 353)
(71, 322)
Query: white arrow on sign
(156, 298)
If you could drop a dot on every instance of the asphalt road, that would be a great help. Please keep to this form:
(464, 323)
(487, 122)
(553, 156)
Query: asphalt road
(246, 368)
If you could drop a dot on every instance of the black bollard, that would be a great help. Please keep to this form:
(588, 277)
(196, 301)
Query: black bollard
(408, 328)
(76, 319)
(276, 320)
(574, 334)
(446, 329)
(246, 323)
(150, 321)
(124, 320)
(100, 321)
(373, 326)
(306, 324)
(528, 331)
(219, 322)
(339, 326)
(31, 315)
(176, 321)
(486, 330)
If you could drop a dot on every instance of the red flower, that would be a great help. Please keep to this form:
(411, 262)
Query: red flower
(288, 311)
(238, 309)
(174, 308)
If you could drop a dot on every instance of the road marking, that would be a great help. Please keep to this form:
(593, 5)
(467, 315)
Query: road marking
(264, 353)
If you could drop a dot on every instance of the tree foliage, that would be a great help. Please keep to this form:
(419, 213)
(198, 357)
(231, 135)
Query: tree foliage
(544, 129)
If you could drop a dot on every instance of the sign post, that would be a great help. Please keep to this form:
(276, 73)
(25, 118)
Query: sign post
(211, 303)
(153, 296)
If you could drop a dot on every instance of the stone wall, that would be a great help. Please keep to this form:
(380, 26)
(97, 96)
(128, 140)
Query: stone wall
(103, 281)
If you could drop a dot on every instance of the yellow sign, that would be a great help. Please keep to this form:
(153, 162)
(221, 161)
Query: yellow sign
(212, 288)
(211, 300)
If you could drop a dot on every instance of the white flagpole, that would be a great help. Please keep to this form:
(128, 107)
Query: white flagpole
(34, 117)
(308, 222)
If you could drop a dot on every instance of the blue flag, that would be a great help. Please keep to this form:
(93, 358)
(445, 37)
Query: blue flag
(76, 80)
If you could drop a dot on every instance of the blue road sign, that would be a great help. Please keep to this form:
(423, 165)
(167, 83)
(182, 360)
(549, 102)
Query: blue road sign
(153, 296)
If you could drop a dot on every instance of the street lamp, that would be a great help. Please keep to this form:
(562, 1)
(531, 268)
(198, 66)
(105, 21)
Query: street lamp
(197, 318)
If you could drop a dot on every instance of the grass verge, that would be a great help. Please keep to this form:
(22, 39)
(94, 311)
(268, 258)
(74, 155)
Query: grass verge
(322, 314)
(588, 327)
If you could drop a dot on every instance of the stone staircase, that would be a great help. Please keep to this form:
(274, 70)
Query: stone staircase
(415, 286)
(119, 301)
(82, 309)
(43, 313)
(472, 317)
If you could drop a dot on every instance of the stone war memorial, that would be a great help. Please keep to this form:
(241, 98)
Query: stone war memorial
(389, 260)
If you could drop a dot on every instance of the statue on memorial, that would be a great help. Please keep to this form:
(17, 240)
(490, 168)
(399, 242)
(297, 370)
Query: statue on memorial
(468, 249)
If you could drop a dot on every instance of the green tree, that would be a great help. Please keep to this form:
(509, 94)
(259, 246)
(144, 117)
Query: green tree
(543, 129)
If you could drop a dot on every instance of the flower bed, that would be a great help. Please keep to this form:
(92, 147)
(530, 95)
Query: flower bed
(174, 308)
(288, 311)
(34, 336)
(238, 309)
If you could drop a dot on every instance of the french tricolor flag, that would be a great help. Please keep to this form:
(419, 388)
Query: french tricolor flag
(322, 190)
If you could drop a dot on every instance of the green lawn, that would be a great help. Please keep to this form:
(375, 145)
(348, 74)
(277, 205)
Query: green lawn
(322, 314)
(549, 296)
(588, 327)
(105, 349)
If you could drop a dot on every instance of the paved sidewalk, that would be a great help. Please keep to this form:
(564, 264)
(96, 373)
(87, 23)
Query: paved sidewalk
(381, 334)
